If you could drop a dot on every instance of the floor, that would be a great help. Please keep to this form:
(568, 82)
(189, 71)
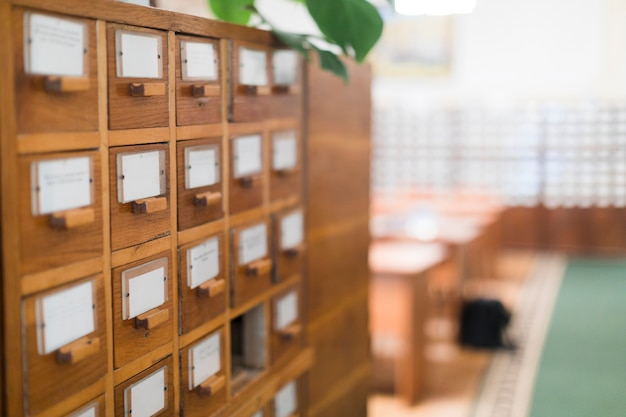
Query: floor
(455, 374)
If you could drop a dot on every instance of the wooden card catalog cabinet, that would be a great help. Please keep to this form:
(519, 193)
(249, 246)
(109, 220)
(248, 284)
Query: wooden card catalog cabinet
(289, 244)
(202, 285)
(142, 307)
(198, 87)
(203, 376)
(199, 180)
(286, 400)
(286, 84)
(248, 345)
(56, 88)
(286, 325)
(151, 393)
(285, 179)
(66, 344)
(61, 216)
(252, 264)
(246, 187)
(139, 194)
(95, 408)
(138, 87)
(251, 82)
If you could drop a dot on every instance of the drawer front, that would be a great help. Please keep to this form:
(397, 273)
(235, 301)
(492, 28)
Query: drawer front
(247, 176)
(286, 163)
(286, 402)
(95, 408)
(199, 180)
(202, 287)
(286, 339)
(51, 94)
(142, 307)
(289, 244)
(66, 343)
(61, 216)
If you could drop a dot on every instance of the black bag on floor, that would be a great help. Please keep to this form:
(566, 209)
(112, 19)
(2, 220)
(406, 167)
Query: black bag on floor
(483, 323)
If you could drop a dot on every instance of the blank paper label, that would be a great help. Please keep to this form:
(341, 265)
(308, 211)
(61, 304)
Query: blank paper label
(91, 411)
(247, 155)
(285, 154)
(64, 317)
(140, 175)
(258, 414)
(204, 360)
(145, 291)
(204, 262)
(147, 397)
(198, 61)
(285, 65)
(252, 244)
(291, 230)
(54, 46)
(138, 55)
(202, 166)
(286, 400)
(286, 310)
(252, 67)
(60, 184)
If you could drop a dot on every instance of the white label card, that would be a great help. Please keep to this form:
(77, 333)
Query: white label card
(138, 54)
(286, 400)
(252, 67)
(61, 184)
(286, 310)
(198, 61)
(202, 166)
(64, 317)
(204, 360)
(144, 288)
(285, 150)
(203, 262)
(148, 396)
(252, 244)
(54, 46)
(90, 411)
(285, 65)
(291, 230)
(258, 414)
(247, 155)
(140, 175)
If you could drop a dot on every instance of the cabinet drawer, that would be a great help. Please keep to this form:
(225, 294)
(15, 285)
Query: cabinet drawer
(286, 164)
(286, 402)
(286, 338)
(202, 288)
(139, 194)
(61, 216)
(246, 172)
(66, 342)
(138, 81)
(289, 243)
(95, 408)
(199, 179)
(56, 87)
(142, 307)
(198, 81)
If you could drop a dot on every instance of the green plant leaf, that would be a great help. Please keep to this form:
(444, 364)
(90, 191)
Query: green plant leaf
(353, 24)
(234, 11)
(331, 62)
(294, 40)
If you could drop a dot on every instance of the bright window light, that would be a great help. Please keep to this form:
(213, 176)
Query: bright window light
(434, 7)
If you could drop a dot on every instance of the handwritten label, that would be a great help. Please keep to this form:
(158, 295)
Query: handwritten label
(286, 310)
(285, 151)
(291, 230)
(65, 316)
(204, 360)
(203, 262)
(138, 55)
(252, 244)
(286, 400)
(198, 61)
(140, 175)
(144, 288)
(202, 166)
(285, 65)
(252, 67)
(148, 396)
(54, 46)
(60, 184)
(89, 411)
(247, 155)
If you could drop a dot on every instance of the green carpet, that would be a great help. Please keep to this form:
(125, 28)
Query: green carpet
(582, 372)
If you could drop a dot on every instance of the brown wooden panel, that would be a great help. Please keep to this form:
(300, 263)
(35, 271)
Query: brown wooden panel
(351, 403)
(521, 227)
(190, 213)
(44, 246)
(126, 111)
(48, 380)
(195, 402)
(286, 183)
(196, 306)
(245, 193)
(284, 345)
(131, 342)
(194, 110)
(40, 111)
(288, 261)
(128, 228)
(563, 228)
(606, 230)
